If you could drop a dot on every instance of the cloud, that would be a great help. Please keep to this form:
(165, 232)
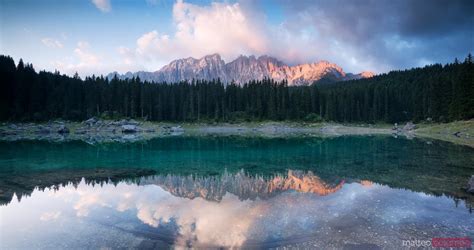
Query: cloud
(235, 29)
(52, 43)
(226, 223)
(362, 35)
(85, 56)
(197, 219)
(231, 222)
(48, 216)
(127, 55)
(387, 34)
(102, 5)
(85, 62)
(200, 30)
(232, 30)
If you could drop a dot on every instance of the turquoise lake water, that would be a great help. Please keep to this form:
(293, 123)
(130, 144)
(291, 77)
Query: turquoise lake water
(347, 192)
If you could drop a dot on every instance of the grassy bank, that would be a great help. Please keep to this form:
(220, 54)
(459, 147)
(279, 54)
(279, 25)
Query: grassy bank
(459, 132)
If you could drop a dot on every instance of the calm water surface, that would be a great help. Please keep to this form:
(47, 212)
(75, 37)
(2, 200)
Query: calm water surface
(345, 192)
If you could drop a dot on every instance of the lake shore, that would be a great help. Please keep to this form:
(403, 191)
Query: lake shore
(97, 131)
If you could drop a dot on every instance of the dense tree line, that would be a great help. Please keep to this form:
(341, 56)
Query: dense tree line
(441, 93)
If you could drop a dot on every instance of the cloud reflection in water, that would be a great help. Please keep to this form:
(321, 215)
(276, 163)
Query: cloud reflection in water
(238, 210)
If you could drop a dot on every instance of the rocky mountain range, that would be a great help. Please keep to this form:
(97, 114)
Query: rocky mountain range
(244, 69)
(214, 188)
(211, 188)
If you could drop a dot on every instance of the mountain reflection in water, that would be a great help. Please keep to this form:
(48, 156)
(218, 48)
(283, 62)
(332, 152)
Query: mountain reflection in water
(242, 185)
(436, 168)
(211, 188)
(362, 192)
(228, 210)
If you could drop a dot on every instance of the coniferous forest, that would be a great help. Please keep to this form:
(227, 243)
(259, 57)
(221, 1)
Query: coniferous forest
(436, 92)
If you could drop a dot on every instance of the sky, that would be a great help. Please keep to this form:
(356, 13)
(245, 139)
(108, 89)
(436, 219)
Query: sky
(102, 36)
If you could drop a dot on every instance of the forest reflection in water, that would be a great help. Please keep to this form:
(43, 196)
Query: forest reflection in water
(224, 192)
(230, 210)
(431, 167)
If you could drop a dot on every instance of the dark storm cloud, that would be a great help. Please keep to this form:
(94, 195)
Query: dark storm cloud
(391, 34)
(435, 17)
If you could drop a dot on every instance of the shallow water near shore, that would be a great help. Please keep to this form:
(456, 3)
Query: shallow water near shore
(343, 192)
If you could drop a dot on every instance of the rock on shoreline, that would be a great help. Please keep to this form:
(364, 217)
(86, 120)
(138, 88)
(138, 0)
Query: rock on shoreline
(127, 129)
(470, 185)
(92, 130)
(95, 130)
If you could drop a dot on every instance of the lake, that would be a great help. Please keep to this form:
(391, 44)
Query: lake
(354, 192)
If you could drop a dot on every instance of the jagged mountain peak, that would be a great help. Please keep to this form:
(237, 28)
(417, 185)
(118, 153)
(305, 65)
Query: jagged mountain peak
(212, 57)
(190, 61)
(270, 60)
(366, 74)
(246, 68)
